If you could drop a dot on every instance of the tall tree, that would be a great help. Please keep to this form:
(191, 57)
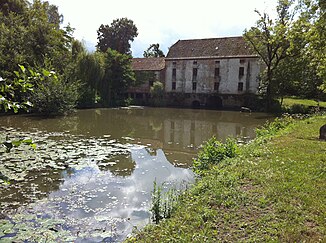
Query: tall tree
(315, 15)
(31, 36)
(269, 39)
(117, 36)
(117, 78)
(154, 51)
(90, 72)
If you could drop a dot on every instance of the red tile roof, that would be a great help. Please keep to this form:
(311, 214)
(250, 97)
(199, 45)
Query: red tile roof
(148, 64)
(214, 47)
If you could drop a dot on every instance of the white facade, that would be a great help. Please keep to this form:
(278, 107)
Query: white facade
(233, 75)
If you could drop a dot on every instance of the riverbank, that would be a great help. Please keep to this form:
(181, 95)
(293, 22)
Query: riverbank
(274, 190)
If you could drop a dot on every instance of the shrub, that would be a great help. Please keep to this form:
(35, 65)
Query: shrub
(271, 128)
(214, 152)
(52, 95)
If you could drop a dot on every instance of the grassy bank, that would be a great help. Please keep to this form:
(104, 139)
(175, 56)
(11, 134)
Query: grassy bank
(274, 190)
(297, 105)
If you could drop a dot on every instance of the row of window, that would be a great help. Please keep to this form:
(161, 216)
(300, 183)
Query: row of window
(216, 86)
(242, 61)
(195, 73)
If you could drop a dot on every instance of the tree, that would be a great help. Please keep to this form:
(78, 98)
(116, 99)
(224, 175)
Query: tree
(314, 15)
(117, 36)
(269, 40)
(154, 51)
(31, 36)
(117, 78)
(157, 93)
(90, 72)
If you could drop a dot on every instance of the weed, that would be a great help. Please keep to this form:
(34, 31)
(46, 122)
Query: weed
(163, 202)
(213, 153)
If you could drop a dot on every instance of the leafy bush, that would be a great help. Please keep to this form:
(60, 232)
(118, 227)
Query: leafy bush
(271, 128)
(52, 95)
(11, 91)
(214, 152)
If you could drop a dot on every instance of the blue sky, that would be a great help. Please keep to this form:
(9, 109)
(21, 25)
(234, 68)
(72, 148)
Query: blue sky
(163, 22)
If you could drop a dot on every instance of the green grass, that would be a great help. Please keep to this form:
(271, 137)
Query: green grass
(288, 102)
(274, 191)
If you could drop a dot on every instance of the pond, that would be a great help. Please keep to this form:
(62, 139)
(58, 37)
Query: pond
(91, 175)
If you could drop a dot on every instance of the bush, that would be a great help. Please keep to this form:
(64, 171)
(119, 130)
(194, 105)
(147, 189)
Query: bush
(271, 128)
(52, 95)
(214, 152)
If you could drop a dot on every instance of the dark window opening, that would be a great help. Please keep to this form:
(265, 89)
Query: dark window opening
(241, 71)
(216, 85)
(194, 86)
(240, 86)
(151, 82)
(242, 61)
(195, 62)
(217, 62)
(139, 95)
(172, 124)
(217, 73)
(174, 63)
(194, 74)
(174, 74)
(174, 84)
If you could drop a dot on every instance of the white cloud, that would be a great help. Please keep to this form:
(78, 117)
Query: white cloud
(163, 22)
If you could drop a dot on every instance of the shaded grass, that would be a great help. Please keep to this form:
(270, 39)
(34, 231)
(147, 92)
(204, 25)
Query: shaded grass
(288, 102)
(273, 191)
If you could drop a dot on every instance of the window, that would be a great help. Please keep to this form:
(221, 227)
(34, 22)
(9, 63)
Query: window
(217, 61)
(216, 85)
(242, 61)
(240, 86)
(194, 86)
(241, 71)
(174, 74)
(217, 73)
(195, 62)
(174, 63)
(174, 84)
(151, 82)
(194, 74)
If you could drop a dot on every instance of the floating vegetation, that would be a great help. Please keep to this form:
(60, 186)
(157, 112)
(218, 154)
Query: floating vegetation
(77, 187)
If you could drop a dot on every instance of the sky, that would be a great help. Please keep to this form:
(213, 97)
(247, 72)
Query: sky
(164, 22)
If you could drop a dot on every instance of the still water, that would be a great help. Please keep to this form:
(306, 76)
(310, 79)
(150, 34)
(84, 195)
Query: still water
(91, 175)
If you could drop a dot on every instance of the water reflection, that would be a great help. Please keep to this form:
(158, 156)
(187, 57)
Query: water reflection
(94, 171)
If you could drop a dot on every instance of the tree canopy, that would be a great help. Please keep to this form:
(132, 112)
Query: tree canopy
(154, 51)
(117, 36)
(292, 48)
(31, 36)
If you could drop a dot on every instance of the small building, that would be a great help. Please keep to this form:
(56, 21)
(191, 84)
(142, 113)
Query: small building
(216, 72)
(147, 71)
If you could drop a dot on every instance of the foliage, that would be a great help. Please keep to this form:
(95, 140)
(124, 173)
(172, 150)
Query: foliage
(11, 91)
(269, 40)
(118, 76)
(154, 51)
(9, 144)
(157, 94)
(52, 94)
(163, 202)
(213, 153)
(117, 36)
(292, 48)
(271, 192)
(31, 36)
(90, 72)
(272, 128)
